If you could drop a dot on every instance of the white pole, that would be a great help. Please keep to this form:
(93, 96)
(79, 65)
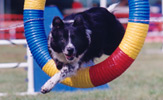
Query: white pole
(13, 65)
(103, 3)
(12, 42)
(30, 72)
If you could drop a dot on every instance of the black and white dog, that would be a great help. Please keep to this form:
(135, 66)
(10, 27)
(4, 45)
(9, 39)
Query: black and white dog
(79, 38)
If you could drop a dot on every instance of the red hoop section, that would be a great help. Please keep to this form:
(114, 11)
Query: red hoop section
(111, 68)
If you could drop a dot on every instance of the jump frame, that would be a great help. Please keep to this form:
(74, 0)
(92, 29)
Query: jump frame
(28, 64)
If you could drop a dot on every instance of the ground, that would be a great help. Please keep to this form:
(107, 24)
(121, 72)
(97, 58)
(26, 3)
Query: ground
(142, 81)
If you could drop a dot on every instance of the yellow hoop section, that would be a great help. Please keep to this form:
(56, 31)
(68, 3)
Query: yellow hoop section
(34, 4)
(134, 39)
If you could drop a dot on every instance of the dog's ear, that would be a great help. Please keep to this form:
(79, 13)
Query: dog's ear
(78, 21)
(57, 22)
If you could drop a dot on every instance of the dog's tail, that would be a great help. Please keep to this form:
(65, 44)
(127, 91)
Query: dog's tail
(112, 7)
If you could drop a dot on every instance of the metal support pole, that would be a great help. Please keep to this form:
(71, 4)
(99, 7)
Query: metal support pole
(30, 73)
(103, 3)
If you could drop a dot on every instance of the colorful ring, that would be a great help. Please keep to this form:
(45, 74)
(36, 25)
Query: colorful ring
(103, 72)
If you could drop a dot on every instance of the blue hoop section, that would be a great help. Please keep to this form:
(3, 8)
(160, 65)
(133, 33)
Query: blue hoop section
(35, 36)
(96, 75)
(139, 11)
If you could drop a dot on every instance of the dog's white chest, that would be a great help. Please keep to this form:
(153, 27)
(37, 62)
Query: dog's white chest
(59, 56)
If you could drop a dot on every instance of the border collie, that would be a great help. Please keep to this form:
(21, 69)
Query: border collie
(79, 38)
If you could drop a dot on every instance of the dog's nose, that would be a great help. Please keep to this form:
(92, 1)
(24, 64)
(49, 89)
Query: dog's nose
(70, 50)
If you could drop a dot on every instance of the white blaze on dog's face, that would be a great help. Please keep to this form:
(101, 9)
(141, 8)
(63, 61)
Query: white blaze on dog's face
(72, 38)
(69, 50)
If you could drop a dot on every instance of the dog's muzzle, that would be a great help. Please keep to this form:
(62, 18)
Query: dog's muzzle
(70, 53)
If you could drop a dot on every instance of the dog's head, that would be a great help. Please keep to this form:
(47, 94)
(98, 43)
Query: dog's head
(70, 37)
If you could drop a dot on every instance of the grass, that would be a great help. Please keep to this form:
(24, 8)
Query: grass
(142, 81)
(12, 80)
(12, 53)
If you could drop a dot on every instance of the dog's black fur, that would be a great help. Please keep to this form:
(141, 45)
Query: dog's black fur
(106, 33)
(81, 37)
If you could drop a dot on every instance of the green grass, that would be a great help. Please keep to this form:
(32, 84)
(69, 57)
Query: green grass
(13, 80)
(142, 81)
(12, 53)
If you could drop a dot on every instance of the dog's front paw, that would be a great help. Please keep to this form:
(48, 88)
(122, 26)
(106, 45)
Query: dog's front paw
(47, 87)
(45, 90)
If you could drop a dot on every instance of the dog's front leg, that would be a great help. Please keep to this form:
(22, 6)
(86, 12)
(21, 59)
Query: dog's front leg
(47, 87)
(58, 77)
(66, 71)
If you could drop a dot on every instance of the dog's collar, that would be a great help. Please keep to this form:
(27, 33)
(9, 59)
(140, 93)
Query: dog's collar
(68, 21)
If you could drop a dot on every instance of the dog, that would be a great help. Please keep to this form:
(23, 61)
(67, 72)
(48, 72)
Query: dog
(80, 38)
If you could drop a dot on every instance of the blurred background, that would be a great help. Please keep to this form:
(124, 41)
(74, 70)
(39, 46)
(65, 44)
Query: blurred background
(142, 81)
(11, 13)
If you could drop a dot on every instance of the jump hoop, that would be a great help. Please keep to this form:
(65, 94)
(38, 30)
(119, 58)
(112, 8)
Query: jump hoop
(103, 72)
